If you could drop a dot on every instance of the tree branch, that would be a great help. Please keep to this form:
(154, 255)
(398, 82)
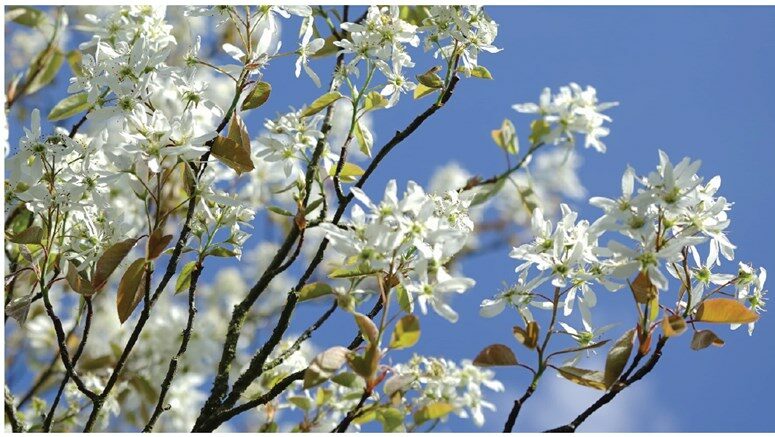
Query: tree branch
(173, 366)
(617, 388)
(11, 413)
(76, 356)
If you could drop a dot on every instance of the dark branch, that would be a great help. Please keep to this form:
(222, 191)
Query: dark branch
(617, 388)
(173, 366)
(76, 356)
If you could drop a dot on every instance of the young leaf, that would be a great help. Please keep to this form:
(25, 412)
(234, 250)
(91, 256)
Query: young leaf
(316, 289)
(617, 358)
(528, 337)
(324, 365)
(321, 103)
(724, 311)
(31, 235)
(485, 193)
(157, 242)
(69, 106)
(481, 72)
(432, 411)
(367, 327)
(75, 59)
(239, 132)
(587, 378)
(705, 338)
(374, 101)
(50, 63)
(506, 137)
(367, 364)
(109, 261)
(257, 96)
(430, 79)
(357, 272)
(496, 355)
(280, 211)
(673, 325)
(232, 154)
(349, 173)
(404, 299)
(184, 278)
(346, 379)
(538, 130)
(421, 91)
(391, 418)
(642, 288)
(130, 289)
(78, 281)
(26, 16)
(406, 333)
(19, 307)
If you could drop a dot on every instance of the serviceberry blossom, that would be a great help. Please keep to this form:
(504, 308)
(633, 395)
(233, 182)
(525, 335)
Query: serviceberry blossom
(573, 110)
(411, 238)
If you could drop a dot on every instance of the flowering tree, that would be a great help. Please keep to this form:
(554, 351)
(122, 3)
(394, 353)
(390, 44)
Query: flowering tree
(124, 318)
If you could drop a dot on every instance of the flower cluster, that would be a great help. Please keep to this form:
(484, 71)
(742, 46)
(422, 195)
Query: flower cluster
(666, 220)
(437, 380)
(410, 239)
(572, 110)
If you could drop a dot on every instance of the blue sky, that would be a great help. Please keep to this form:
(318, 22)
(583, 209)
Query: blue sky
(691, 81)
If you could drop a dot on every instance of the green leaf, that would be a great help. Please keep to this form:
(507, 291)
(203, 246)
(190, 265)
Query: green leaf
(364, 137)
(617, 358)
(26, 16)
(374, 101)
(313, 206)
(232, 154)
(349, 173)
(481, 72)
(316, 289)
(75, 59)
(722, 310)
(302, 402)
(430, 79)
(432, 411)
(280, 211)
(321, 103)
(421, 91)
(538, 130)
(506, 137)
(222, 252)
(406, 333)
(69, 106)
(184, 278)
(704, 338)
(587, 378)
(413, 14)
(31, 235)
(110, 260)
(130, 289)
(368, 328)
(51, 61)
(365, 365)
(346, 379)
(496, 355)
(404, 300)
(357, 272)
(486, 192)
(391, 418)
(257, 96)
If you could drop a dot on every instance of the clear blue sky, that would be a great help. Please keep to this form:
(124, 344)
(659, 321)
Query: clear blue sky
(692, 81)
